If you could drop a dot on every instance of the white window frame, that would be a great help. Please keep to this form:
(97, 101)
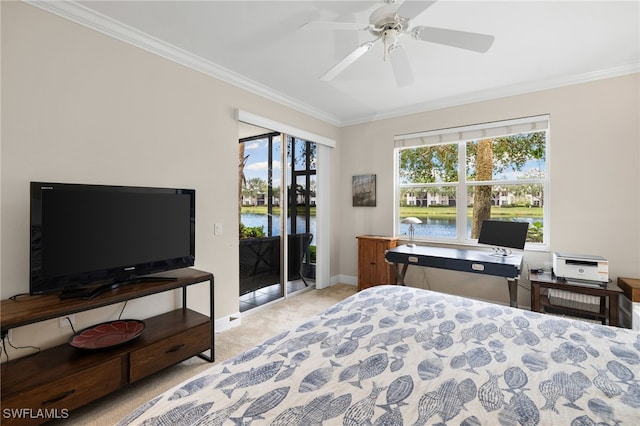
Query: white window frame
(460, 136)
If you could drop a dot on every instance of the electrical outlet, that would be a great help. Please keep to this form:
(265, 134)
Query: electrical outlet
(217, 229)
(65, 323)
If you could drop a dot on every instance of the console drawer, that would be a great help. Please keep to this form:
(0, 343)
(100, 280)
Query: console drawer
(169, 351)
(57, 398)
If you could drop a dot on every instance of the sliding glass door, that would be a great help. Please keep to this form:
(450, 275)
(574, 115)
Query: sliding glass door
(301, 211)
(277, 216)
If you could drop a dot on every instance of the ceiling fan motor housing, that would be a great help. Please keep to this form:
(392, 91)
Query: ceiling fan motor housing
(385, 19)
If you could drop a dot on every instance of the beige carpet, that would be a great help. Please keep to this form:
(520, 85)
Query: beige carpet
(257, 325)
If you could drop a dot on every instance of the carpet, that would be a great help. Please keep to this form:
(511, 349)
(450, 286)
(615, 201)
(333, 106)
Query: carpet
(256, 326)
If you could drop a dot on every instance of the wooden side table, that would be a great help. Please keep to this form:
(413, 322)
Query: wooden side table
(630, 287)
(373, 269)
(541, 301)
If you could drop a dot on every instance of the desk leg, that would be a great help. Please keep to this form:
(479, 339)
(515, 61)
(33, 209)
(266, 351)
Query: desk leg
(535, 297)
(400, 274)
(513, 292)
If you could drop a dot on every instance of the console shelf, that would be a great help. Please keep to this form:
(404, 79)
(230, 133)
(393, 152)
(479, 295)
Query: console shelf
(63, 378)
(540, 302)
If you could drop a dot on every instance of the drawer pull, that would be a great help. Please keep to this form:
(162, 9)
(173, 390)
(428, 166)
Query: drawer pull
(175, 348)
(59, 398)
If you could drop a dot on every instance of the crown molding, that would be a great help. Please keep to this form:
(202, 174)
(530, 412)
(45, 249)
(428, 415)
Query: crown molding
(82, 15)
(501, 92)
(89, 18)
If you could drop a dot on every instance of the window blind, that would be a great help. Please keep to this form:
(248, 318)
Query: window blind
(473, 132)
(257, 120)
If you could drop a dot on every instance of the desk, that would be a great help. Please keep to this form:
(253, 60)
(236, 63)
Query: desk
(611, 291)
(465, 260)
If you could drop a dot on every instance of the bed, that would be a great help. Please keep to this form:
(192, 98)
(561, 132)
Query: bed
(393, 355)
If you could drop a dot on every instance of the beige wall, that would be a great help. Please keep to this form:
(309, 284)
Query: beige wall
(593, 157)
(78, 106)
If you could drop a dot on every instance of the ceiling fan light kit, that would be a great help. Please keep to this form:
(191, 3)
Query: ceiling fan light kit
(388, 24)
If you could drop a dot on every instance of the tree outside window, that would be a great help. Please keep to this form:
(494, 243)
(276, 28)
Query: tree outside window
(454, 185)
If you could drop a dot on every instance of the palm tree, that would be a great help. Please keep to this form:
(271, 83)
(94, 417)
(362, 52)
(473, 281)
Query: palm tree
(242, 180)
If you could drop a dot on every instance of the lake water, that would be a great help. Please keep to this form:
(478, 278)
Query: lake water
(444, 228)
(253, 219)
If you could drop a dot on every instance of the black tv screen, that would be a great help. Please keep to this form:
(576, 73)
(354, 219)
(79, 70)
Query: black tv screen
(89, 235)
(501, 233)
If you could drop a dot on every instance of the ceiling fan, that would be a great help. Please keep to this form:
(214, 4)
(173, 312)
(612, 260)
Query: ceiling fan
(387, 24)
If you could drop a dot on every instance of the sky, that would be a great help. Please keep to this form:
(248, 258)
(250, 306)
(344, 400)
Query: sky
(256, 166)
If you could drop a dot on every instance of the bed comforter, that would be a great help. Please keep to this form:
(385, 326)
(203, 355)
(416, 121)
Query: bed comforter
(393, 355)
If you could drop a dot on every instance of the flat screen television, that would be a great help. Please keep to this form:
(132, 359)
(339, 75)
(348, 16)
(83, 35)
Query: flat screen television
(87, 238)
(503, 234)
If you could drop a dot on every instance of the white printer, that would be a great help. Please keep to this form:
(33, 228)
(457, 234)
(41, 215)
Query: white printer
(581, 267)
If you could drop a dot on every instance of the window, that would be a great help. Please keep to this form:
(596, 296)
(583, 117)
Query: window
(453, 179)
(302, 158)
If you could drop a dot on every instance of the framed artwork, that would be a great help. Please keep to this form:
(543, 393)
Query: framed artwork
(364, 190)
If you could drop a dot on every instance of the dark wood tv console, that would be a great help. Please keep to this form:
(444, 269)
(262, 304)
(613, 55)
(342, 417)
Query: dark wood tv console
(56, 381)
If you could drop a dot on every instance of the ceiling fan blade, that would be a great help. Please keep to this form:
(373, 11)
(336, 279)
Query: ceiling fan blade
(348, 60)
(401, 66)
(461, 39)
(332, 26)
(411, 9)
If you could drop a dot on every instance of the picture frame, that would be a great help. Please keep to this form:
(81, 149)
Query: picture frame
(364, 190)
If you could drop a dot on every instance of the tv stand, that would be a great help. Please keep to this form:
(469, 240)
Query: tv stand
(91, 292)
(63, 378)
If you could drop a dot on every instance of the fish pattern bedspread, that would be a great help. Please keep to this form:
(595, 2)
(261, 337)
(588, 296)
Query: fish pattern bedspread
(393, 355)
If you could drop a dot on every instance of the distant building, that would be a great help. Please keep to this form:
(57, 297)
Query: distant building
(500, 198)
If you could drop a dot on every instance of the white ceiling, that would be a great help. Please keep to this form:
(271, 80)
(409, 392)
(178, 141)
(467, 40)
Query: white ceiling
(259, 46)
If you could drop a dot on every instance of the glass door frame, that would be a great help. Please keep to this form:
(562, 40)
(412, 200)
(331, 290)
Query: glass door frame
(323, 205)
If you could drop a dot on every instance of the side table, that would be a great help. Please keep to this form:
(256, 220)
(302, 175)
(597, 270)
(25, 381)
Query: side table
(631, 289)
(541, 301)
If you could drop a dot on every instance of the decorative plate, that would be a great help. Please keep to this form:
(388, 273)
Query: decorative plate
(107, 334)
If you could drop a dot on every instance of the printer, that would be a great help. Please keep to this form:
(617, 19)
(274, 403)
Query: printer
(581, 267)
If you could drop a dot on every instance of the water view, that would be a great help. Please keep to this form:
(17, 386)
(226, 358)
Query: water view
(435, 227)
(252, 220)
(445, 227)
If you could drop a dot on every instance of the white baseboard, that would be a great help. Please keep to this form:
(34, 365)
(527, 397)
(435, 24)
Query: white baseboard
(228, 322)
(344, 279)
